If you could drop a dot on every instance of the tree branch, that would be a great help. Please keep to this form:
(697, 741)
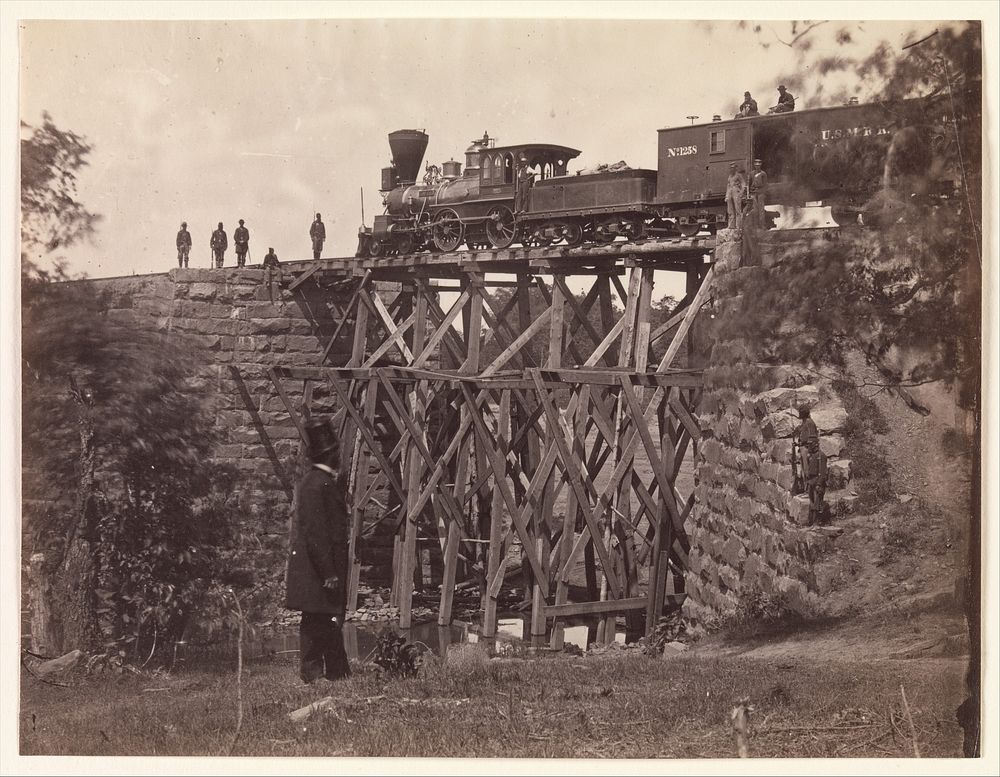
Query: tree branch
(798, 37)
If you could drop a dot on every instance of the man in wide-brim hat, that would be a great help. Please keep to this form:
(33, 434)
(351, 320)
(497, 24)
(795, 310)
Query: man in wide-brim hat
(317, 562)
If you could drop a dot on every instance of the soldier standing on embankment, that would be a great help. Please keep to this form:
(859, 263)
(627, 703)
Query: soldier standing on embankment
(183, 245)
(318, 234)
(219, 243)
(735, 187)
(241, 237)
(813, 463)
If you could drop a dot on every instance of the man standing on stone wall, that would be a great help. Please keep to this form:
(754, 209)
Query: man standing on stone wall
(317, 562)
(318, 234)
(183, 245)
(241, 237)
(735, 187)
(219, 243)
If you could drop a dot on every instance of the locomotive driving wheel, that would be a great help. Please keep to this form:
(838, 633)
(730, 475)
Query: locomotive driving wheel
(634, 228)
(573, 233)
(377, 248)
(404, 243)
(605, 230)
(500, 227)
(448, 230)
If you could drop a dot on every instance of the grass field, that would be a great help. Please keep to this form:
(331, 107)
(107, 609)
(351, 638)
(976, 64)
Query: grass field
(621, 704)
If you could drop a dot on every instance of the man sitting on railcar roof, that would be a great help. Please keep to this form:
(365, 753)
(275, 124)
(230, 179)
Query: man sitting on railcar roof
(786, 102)
(748, 107)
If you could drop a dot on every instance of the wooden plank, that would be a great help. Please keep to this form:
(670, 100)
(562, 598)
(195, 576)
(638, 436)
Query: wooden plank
(414, 468)
(666, 487)
(409, 425)
(351, 305)
(568, 462)
(496, 560)
(671, 322)
(539, 590)
(685, 326)
(370, 441)
(497, 462)
(360, 344)
(258, 425)
(360, 486)
(389, 323)
(642, 327)
(595, 608)
(303, 278)
(393, 339)
(473, 333)
(569, 517)
(613, 334)
(557, 306)
(685, 417)
(519, 343)
(580, 312)
(442, 329)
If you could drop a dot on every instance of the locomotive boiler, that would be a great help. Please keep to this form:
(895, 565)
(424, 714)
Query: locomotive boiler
(450, 206)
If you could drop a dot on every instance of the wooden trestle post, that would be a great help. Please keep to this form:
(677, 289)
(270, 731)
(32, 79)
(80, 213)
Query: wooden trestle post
(527, 433)
(414, 468)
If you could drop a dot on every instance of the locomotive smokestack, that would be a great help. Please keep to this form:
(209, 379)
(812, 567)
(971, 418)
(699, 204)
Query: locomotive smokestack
(408, 148)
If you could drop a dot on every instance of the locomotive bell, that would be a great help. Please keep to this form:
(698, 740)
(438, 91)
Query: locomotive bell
(408, 147)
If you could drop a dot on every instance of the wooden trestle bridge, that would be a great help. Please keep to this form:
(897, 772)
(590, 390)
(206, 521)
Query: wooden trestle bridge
(521, 433)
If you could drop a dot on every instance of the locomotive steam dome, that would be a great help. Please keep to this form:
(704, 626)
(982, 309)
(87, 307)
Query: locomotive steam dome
(408, 147)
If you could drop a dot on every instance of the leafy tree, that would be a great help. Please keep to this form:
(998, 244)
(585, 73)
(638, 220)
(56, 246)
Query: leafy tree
(119, 491)
(907, 295)
(51, 216)
(114, 434)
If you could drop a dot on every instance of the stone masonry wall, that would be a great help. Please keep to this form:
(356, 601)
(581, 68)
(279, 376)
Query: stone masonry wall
(241, 321)
(750, 547)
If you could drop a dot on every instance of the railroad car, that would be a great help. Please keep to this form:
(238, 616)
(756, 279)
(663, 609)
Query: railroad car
(836, 156)
(839, 157)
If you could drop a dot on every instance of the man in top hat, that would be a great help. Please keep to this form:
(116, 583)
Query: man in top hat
(748, 107)
(786, 102)
(219, 243)
(758, 190)
(735, 187)
(318, 234)
(241, 237)
(183, 245)
(318, 565)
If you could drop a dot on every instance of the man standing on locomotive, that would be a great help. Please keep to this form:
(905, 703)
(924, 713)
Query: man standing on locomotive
(735, 187)
(241, 237)
(318, 234)
(786, 103)
(183, 245)
(219, 243)
(525, 179)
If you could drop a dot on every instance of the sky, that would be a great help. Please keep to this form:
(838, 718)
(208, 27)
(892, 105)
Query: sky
(271, 121)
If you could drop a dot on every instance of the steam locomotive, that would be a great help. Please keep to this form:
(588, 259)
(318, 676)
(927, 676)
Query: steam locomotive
(837, 156)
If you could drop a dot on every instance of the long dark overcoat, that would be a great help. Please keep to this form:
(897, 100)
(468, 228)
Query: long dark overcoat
(318, 548)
